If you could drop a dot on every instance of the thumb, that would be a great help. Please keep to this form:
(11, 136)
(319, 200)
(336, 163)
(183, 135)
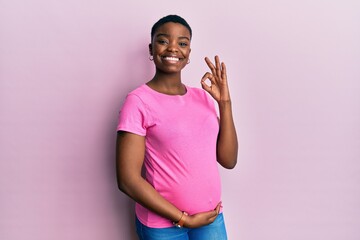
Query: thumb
(215, 212)
(218, 207)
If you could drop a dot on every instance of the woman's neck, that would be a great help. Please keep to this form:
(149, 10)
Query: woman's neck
(167, 83)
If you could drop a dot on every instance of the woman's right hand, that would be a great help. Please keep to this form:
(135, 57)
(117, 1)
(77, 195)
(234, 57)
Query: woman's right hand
(203, 218)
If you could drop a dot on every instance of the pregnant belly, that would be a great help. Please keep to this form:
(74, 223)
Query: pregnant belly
(193, 195)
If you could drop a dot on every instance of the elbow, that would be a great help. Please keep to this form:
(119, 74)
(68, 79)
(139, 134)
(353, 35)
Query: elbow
(128, 184)
(227, 155)
(230, 166)
(122, 184)
(228, 163)
(125, 188)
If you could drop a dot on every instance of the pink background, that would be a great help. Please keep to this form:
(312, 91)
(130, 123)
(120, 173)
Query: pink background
(294, 73)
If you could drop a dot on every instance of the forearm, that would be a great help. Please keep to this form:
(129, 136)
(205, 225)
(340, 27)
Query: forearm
(143, 193)
(227, 143)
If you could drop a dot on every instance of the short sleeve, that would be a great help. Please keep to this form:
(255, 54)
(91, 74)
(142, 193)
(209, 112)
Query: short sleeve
(132, 116)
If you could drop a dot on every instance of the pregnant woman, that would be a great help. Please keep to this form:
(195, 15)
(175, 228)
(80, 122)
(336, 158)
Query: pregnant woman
(171, 139)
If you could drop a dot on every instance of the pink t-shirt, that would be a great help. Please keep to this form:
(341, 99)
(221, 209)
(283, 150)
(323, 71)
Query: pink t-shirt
(180, 149)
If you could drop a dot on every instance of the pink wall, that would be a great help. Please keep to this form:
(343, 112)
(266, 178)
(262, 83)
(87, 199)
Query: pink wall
(65, 67)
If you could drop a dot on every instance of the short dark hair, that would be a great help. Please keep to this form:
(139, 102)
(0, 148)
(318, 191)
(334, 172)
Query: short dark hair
(170, 18)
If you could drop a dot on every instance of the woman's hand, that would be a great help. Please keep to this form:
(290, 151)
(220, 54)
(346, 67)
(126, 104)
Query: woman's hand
(203, 218)
(219, 88)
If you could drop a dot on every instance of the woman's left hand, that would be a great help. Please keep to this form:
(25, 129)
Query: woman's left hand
(219, 88)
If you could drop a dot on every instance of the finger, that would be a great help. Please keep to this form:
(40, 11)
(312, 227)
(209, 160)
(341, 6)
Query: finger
(216, 210)
(223, 71)
(210, 65)
(211, 215)
(206, 87)
(218, 207)
(217, 64)
(211, 220)
(209, 76)
(214, 215)
(203, 81)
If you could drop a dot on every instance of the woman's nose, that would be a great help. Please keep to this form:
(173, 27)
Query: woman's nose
(172, 47)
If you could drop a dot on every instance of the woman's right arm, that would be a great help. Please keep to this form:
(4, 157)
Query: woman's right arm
(130, 151)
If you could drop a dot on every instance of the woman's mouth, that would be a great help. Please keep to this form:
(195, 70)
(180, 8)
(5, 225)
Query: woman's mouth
(171, 59)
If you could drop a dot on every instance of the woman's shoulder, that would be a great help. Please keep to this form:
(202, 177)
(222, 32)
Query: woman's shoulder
(139, 90)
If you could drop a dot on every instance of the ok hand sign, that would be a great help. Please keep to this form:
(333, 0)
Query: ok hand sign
(219, 88)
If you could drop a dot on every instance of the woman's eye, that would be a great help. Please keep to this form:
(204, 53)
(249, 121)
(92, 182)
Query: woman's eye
(162, 41)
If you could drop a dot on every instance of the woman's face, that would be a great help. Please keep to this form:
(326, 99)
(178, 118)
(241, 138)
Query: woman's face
(170, 47)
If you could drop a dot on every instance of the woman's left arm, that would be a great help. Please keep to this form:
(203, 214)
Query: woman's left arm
(227, 143)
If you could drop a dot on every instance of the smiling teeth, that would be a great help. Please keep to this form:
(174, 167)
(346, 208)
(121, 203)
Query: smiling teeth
(171, 58)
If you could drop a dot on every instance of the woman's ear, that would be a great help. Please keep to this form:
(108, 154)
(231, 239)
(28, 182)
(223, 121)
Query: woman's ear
(150, 49)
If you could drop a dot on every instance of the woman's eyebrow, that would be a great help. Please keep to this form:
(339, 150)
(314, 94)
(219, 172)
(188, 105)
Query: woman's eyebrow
(167, 35)
(183, 37)
(162, 35)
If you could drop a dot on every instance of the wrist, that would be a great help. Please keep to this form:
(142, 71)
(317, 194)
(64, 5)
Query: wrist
(224, 101)
(182, 220)
(224, 104)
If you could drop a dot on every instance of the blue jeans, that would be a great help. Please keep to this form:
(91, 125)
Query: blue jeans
(213, 231)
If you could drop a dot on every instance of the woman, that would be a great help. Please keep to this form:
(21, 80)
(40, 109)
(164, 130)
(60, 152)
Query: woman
(174, 132)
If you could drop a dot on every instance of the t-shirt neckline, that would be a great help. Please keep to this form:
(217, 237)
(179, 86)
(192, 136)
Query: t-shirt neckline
(168, 95)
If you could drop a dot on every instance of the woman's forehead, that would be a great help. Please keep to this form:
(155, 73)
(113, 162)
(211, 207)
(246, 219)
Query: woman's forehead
(171, 28)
